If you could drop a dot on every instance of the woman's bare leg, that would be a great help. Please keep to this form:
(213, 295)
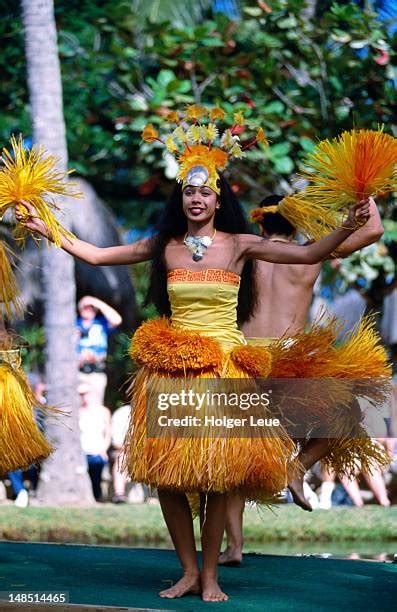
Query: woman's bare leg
(213, 511)
(178, 517)
(234, 530)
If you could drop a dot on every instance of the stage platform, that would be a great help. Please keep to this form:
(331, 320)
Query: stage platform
(99, 577)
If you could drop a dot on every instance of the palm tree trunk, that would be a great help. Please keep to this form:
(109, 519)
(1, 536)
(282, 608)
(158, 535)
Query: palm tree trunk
(64, 478)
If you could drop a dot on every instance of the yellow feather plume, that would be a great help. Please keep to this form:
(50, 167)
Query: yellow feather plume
(10, 301)
(32, 176)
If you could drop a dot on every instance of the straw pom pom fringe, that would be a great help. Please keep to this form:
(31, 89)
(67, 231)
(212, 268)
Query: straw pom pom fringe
(10, 301)
(256, 361)
(354, 166)
(21, 442)
(31, 175)
(163, 348)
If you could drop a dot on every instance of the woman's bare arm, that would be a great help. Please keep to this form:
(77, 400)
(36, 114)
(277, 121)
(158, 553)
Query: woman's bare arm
(254, 247)
(97, 256)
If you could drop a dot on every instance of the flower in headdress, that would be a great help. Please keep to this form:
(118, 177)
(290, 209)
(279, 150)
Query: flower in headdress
(149, 133)
(194, 134)
(261, 137)
(238, 118)
(180, 135)
(194, 111)
(211, 132)
(228, 140)
(217, 113)
(219, 158)
(170, 144)
(172, 117)
(256, 215)
(236, 151)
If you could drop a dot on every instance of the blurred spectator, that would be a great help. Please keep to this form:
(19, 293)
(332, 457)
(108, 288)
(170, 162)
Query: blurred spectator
(120, 420)
(94, 324)
(375, 480)
(95, 435)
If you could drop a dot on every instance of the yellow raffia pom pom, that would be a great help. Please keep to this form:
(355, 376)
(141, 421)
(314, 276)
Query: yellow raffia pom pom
(163, 348)
(149, 133)
(21, 442)
(9, 291)
(32, 176)
(256, 361)
(172, 117)
(194, 111)
(357, 164)
(217, 113)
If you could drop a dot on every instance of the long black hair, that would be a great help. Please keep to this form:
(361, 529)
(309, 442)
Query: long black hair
(274, 222)
(229, 218)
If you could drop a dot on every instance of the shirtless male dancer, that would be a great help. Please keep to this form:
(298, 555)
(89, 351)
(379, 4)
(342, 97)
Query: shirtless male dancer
(285, 297)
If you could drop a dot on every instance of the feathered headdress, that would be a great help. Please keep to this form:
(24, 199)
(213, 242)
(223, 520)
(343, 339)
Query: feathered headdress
(354, 166)
(31, 175)
(199, 148)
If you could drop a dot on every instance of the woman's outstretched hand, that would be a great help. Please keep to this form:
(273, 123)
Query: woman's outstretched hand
(358, 215)
(26, 214)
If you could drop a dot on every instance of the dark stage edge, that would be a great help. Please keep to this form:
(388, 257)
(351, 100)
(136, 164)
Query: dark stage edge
(99, 577)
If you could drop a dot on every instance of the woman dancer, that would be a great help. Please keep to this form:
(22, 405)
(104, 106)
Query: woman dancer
(201, 277)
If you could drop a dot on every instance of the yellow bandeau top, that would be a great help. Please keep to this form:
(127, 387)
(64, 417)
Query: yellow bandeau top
(206, 301)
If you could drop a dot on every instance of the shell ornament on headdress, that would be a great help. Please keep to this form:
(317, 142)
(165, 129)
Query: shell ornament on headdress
(199, 148)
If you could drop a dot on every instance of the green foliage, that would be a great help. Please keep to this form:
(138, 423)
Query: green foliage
(33, 347)
(122, 66)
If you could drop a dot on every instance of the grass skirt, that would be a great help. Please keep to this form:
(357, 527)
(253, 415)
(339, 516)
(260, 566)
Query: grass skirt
(257, 467)
(343, 371)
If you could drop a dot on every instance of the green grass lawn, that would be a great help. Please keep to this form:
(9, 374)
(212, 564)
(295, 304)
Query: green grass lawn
(142, 525)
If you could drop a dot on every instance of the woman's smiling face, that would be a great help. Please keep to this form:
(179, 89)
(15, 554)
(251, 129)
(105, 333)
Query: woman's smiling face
(199, 203)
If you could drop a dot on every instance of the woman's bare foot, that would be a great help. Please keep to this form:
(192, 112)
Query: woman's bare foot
(189, 583)
(211, 590)
(298, 495)
(231, 557)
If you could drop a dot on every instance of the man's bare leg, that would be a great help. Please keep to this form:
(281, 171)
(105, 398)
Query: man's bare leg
(178, 517)
(213, 510)
(311, 452)
(233, 554)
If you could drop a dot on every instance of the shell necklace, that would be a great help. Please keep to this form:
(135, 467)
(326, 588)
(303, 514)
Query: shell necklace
(198, 245)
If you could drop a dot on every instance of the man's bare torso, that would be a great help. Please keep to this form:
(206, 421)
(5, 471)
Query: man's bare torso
(285, 294)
